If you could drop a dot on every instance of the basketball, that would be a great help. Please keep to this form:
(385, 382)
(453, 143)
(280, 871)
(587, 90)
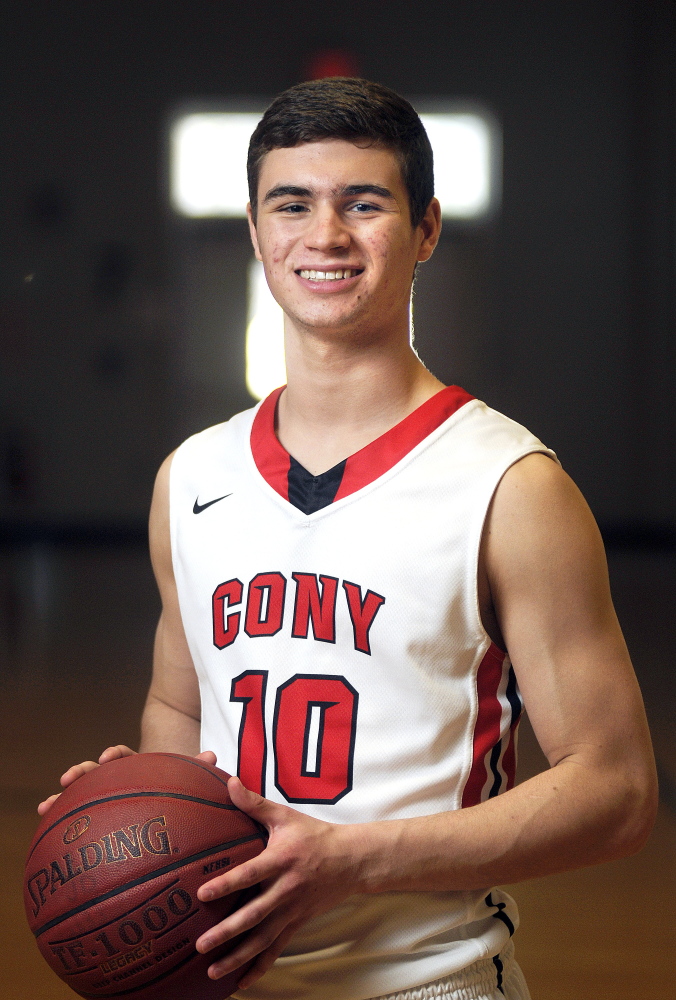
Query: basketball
(113, 871)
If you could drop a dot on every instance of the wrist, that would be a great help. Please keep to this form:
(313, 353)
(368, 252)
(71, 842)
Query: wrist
(376, 850)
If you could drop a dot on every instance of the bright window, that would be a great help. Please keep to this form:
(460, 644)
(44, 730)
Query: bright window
(265, 368)
(208, 163)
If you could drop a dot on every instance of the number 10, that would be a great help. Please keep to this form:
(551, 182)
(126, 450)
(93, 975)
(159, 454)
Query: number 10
(313, 735)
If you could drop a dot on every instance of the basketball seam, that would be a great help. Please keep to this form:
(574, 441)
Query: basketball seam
(227, 846)
(198, 764)
(119, 916)
(130, 795)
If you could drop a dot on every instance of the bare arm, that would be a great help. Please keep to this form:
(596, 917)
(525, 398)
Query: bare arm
(546, 573)
(171, 716)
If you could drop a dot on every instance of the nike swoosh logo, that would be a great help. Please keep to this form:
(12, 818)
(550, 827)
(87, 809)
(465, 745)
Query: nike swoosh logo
(199, 507)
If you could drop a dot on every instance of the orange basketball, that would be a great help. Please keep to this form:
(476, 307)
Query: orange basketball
(113, 871)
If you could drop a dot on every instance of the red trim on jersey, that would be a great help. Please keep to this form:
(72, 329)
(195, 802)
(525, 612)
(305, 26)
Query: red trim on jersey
(381, 455)
(367, 464)
(272, 460)
(487, 725)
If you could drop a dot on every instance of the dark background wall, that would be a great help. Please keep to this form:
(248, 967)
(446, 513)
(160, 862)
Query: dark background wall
(565, 307)
(562, 311)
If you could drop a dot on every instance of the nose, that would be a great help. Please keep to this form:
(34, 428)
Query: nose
(327, 230)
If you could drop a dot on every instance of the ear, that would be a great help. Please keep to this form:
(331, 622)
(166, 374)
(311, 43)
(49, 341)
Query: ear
(252, 231)
(430, 229)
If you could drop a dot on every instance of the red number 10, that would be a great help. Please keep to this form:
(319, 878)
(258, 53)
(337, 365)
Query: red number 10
(313, 734)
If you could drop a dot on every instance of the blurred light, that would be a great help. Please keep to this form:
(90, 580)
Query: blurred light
(461, 144)
(331, 62)
(208, 163)
(265, 366)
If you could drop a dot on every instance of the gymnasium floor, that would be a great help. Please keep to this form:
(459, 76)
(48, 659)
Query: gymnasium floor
(76, 630)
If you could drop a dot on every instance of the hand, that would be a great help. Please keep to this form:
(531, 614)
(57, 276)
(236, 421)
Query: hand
(111, 753)
(77, 770)
(308, 867)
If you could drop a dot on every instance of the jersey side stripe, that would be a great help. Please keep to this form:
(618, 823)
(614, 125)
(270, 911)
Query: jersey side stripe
(496, 753)
(487, 725)
(516, 705)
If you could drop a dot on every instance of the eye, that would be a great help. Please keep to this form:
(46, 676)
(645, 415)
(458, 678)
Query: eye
(293, 209)
(362, 207)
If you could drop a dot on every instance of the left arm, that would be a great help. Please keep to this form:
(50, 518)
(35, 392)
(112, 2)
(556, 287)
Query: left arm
(545, 567)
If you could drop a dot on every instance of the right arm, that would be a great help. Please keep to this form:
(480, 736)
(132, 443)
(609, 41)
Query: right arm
(171, 716)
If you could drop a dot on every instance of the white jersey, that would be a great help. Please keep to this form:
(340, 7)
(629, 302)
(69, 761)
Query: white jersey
(343, 665)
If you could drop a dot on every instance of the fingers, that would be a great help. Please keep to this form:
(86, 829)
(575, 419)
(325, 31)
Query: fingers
(208, 756)
(242, 877)
(114, 753)
(261, 917)
(255, 805)
(76, 771)
(239, 921)
(266, 958)
(264, 947)
(266, 914)
(47, 804)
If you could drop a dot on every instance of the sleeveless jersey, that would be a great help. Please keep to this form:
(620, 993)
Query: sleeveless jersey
(343, 666)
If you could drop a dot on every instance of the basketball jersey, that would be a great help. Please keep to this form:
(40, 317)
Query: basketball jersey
(343, 666)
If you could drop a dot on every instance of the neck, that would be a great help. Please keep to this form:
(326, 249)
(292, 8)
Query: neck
(342, 393)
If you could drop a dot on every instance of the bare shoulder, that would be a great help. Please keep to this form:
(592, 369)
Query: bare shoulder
(537, 486)
(158, 526)
(540, 541)
(159, 509)
(539, 517)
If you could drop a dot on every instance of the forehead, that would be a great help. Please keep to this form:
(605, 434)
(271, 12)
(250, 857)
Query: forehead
(329, 164)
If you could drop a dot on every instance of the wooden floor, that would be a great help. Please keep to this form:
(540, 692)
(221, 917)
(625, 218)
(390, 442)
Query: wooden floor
(76, 627)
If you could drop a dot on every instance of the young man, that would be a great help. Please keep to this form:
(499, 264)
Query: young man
(342, 570)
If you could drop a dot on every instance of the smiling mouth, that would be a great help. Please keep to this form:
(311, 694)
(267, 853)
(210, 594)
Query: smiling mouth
(337, 275)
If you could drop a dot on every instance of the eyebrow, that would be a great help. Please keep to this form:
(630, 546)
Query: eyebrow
(283, 190)
(349, 190)
(355, 189)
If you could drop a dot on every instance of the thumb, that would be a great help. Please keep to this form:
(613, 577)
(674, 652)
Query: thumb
(252, 803)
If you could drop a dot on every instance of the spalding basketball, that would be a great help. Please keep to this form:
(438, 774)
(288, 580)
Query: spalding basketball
(113, 872)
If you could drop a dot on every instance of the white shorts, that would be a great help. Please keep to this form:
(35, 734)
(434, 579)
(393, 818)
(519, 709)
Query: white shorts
(498, 978)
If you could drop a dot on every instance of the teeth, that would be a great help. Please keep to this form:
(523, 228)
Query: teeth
(328, 275)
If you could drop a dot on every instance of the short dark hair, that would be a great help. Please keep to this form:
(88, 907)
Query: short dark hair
(352, 109)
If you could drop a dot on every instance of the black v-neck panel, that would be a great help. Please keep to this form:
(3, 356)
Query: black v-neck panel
(310, 493)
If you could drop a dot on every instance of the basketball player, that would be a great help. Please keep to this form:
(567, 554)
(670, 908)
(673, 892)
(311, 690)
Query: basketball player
(361, 580)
